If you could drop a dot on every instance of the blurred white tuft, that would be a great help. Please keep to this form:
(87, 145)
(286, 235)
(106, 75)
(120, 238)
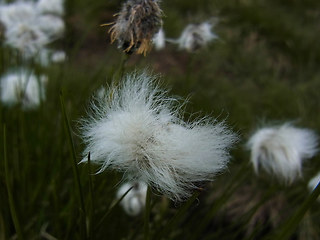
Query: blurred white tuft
(23, 87)
(135, 200)
(281, 150)
(196, 36)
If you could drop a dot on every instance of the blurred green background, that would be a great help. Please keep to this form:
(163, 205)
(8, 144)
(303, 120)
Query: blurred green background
(263, 69)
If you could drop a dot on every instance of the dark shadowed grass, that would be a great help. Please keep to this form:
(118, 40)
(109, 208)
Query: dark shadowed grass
(263, 69)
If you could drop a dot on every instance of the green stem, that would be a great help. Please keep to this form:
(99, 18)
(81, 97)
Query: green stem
(90, 221)
(291, 225)
(147, 215)
(74, 163)
(10, 196)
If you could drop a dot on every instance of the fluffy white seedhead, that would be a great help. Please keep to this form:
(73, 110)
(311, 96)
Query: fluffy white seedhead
(159, 40)
(196, 36)
(23, 87)
(26, 29)
(136, 128)
(281, 150)
(135, 200)
(51, 6)
(22, 33)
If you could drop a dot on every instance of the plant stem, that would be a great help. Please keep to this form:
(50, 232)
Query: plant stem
(10, 196)
(74, 164)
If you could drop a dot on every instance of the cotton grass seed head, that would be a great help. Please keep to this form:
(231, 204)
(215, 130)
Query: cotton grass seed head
(136, 24)
(196, 36)
(27, 29)
(135, 200)
(280, 150)
(21, 86)
(137, 129)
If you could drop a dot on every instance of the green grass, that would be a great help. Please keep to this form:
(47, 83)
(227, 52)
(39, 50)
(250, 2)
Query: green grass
(265, 69)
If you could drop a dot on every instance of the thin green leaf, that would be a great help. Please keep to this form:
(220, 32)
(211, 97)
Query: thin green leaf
(177, 217)
(291, 225)
(234, 184)
(112, 207)
(10, 196)
(74, 163)
(90, 217)
(147, 215)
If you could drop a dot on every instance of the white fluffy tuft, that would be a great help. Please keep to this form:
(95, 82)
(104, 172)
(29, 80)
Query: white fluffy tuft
(137, 129)
(27, 28)
(23, 87)
(281, 150)
(195, 36)
(135, 200)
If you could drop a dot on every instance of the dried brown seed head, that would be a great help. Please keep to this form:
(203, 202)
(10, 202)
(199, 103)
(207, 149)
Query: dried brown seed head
(136, 24)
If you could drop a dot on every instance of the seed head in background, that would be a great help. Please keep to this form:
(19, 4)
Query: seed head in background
(27, 29)
(137, 129)
(281, 150)
(22, 86)
(136, 24)
(196, 36)
(135, 200)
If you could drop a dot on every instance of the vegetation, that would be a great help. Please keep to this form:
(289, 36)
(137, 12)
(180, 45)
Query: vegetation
(264, 68)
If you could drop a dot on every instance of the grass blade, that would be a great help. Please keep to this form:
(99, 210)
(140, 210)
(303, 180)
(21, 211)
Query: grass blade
(234, 184)
(175, 219)
(74, 163)
(147, 215)
(291, 225)
(90, 214)
(11, 202)
(112, 207)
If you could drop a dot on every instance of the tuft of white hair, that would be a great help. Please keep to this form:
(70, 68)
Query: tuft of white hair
(135, 200)
(196, 36)
(137, 129)
(55, 7)
(281, 150)
(23, 87)
(159, 40)
(26, 29)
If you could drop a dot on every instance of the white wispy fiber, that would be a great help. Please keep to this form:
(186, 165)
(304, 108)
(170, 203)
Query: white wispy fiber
(135, 200)
(196, 36)
(137, 129)
(28, 30)
(21, 86)
(281, 150)
(159, 40)
(51, 6)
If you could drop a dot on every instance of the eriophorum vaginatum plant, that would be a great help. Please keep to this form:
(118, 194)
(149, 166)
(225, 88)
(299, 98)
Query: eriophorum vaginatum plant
(136, 24)
(281, 150)
(137, 129)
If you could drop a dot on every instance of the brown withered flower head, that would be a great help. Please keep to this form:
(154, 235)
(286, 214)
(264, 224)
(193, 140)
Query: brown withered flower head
(136, 24)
